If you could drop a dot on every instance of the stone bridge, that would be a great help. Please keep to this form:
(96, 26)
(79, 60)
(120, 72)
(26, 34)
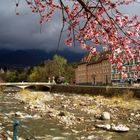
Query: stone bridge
(24, 85)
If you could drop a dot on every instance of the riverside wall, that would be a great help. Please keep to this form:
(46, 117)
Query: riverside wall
(106, 91)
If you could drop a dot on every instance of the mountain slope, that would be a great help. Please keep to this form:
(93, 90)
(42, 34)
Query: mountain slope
(32, 57)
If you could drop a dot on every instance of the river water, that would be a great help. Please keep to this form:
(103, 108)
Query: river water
(41, 129)
(48, 129)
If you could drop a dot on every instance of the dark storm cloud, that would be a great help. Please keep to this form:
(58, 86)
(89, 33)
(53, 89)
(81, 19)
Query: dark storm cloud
(23, 31)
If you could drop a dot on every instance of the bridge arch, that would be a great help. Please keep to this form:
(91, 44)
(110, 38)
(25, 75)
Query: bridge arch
(38, 87)
(30, 85)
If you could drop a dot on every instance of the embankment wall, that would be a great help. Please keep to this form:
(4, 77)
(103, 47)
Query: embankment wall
(106, 91)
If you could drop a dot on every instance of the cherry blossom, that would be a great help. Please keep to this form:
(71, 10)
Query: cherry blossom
(96, 22)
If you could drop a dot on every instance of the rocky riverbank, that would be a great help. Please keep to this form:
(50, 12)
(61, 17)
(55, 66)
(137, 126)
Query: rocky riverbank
(77, 116)
(85, 113)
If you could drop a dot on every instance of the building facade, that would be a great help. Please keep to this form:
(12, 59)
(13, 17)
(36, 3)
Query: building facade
(81, 74)
(95, 72)
(100, 72)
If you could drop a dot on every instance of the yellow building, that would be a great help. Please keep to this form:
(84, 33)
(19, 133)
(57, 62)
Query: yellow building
(81, 74)
(97, 71)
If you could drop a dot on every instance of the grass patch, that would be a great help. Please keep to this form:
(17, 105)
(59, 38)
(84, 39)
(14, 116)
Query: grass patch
(127, 95)
(33, 97)
(124, 101)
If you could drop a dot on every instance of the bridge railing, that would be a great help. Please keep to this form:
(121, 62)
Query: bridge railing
(26, 83)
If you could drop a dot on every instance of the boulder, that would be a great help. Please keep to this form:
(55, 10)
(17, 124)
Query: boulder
(113, 127)
(105, 116)
(119, 128)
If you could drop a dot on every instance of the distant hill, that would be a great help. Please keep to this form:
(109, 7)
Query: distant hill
(32, 57)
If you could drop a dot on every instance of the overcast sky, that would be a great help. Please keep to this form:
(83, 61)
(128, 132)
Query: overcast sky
(23, 31)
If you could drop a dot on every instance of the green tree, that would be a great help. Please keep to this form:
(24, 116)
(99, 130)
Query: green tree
(23, 74)
(38, 74)
(51, 68)
(58, 68)
(70, 73)
(2, 75)
(12, 76)
(60, 63)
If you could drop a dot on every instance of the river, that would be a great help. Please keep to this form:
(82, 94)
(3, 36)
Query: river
(49, 127)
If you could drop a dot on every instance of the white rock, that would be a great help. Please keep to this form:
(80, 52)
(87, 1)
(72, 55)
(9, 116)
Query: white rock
(105, 116)
(36, 116)
(104, 126)
(74, 131)
(28, 116)
(92, 137)
(58, 138)
(18, 114)
(119, 128)
(132, 114)
(138, 115)
(21, 139)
